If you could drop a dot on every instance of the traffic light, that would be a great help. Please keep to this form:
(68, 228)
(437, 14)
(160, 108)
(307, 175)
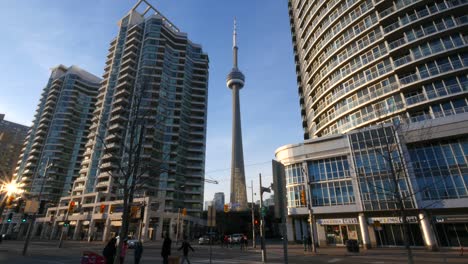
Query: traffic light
(9, 201)
(66, 223)
(24, 218)
(303, 198)
(71, 207)
(102, 209)
(226, 208)
(184, 211)
(111, 210)
(10, 216)
(256, 221)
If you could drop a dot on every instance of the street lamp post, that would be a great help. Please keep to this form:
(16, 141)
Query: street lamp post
(309, 207)
(33, 220)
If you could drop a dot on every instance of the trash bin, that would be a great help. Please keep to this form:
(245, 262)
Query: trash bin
(352, 245)
(173, 260)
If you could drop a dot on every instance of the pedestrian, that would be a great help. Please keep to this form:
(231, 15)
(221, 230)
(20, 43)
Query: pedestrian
(166, 249)
(109, 251)
(309, 243)
(226, 241)
(246, 242)
(185, 247)
(138, 251)
(241, 242)
(304, 242)
(123, 251)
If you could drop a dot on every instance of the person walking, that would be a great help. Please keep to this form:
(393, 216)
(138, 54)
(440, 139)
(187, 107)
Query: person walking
(246, 242)
(123, 251)
(304, 242)
(166, 249)
(241, 242)
(138, 252)
(185, 247)
(109, 251)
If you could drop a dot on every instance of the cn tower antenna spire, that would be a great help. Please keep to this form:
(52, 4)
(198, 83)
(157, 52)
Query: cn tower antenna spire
(234, 34)
(234, 44)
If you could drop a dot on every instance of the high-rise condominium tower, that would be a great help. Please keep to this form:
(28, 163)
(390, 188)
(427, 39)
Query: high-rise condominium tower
(361, 62)
(58, 133)
(235, 81)
(11, 141)
(155, 81)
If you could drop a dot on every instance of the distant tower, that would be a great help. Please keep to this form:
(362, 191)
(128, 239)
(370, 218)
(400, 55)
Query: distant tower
(235, 81)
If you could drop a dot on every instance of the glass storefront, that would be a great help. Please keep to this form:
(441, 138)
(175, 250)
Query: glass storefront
(392, 235)
(339, 234)
(452, 234)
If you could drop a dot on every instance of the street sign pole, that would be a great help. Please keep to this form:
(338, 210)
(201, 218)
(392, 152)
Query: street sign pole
(262, 231)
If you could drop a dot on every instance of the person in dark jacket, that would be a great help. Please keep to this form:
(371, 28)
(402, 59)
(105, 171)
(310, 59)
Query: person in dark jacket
(185, 247)
(138, 252)
(166, 249)
(109, 251)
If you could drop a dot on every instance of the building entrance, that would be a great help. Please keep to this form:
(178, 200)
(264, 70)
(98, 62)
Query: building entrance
(337, 235)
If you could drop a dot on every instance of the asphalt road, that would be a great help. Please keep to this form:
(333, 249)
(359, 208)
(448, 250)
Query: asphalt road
(47, 252)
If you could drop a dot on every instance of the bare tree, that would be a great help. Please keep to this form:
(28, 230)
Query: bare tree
(383, 170)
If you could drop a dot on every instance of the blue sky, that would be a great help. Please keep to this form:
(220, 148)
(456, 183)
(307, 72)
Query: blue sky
(37, 35)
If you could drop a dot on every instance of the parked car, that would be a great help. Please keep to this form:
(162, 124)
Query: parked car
(204, 240)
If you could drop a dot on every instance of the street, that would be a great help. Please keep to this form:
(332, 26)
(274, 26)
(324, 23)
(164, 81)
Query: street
(47, 252)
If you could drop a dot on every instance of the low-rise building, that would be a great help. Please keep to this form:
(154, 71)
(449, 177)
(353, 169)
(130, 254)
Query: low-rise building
(356, 181)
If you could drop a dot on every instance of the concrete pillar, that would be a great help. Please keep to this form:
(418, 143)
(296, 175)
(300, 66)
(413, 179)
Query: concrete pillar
(9, 229)
(322, 237)
(364, 231)
(54, 230)
(77, 233)
(107, 229)
(159, 228)
(172, 228)
(91, 230)
(146, 221)
(290, 228)
(34, 229)
(46, 228)
(428, 234)
(4, 227)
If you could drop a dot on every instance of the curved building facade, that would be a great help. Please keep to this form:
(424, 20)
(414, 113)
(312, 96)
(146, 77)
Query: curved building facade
(363, 62)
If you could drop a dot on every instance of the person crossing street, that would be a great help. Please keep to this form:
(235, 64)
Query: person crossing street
(185, 247)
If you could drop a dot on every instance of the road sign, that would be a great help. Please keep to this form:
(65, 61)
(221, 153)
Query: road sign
(32, 207)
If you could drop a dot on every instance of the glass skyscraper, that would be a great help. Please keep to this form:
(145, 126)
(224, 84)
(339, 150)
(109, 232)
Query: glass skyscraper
(359, 63)
(155, 81)
(383, 93)
(58, 133)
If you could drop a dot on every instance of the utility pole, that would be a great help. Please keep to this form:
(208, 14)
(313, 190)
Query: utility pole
(253, 217)
(33, 220)
(177, 233)
(262, 222)
(309, 207)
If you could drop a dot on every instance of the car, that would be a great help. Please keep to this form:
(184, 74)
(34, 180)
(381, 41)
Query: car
(204, 240)
(235, 238)
(132, 243)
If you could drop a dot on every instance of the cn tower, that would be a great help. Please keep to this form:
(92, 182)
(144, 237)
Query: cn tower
(235, 81)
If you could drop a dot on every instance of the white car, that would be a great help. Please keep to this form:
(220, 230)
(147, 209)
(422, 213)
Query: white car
(235, 238)
(204, 240)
